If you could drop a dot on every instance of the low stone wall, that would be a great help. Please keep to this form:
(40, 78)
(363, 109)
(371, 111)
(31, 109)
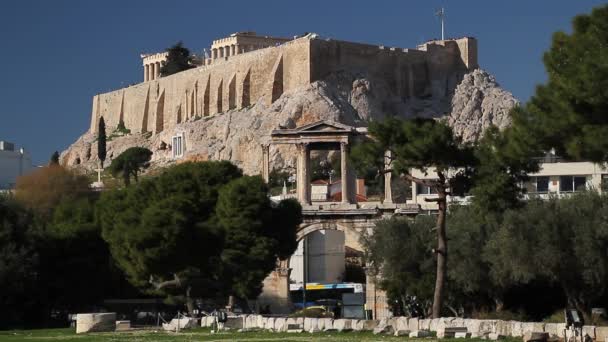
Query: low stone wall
(491, 328)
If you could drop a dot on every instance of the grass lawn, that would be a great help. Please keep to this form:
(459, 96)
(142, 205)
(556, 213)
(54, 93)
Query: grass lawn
(199, 335)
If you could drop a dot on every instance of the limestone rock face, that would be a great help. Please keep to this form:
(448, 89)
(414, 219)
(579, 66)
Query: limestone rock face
(349, 97)
(478, 103)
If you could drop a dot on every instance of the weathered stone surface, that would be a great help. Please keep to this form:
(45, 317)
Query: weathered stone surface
(280, 324)
(589, 330)
(412, 323)
(269, 324)
(529, 327)
(328, 324)
(181, 323)
(311, 324)
(478, 103)
(420, 334)
(402, 332)
(495, 336)
(462, 334)
(370, 325)
(503, 328)
(383, 328)
(123, 325)
(343, 324)
(601, 333)
(535, 336)
(95, 322)
(424, 324)
(556, 329)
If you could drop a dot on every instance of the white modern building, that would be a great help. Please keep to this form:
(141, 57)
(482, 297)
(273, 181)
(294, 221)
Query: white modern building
(555, 178)
(13, 163)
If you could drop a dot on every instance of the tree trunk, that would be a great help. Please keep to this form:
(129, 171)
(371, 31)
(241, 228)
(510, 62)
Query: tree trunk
(189, 302)
(442, 254)
(231, 302)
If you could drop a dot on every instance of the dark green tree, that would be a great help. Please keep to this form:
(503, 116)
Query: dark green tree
(400, 254)
(570, 112)
(54, 158)
(101, 141)
(18, 265)
(129, 163)
(429, 146)
(178, 59)
(562, 240)
(169, 233)
(256, 234)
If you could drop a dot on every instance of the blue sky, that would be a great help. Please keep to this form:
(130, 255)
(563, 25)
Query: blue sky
(57, 54)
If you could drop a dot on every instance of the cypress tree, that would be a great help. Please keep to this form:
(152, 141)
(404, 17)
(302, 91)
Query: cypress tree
(101, 141)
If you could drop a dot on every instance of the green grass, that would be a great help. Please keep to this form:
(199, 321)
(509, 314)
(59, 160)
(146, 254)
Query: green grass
(199, 335)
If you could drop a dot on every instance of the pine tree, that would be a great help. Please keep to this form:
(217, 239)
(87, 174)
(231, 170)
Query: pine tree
(570, 111)
(178, 59)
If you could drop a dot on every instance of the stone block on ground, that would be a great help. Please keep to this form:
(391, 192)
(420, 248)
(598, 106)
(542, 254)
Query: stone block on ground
(412, 323)
(269, 324)
(328, 324)
(311, 324)
(556, 329)
(95, 322)
(535, 336)
(503, 328)
(383, 328)
(370, 324)
(495, 336)
(402, 332)
(123, 325)
(235, 323)
(400, 323)
(280, 324)
(516, 329)
(450, 332)
(181, 323)
(343, 325)
(601, 333)
(424, 324)
(420, 334)
(589, 330)
(462, 335)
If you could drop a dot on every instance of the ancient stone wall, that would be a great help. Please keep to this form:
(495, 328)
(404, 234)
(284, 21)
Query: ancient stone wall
(239, 81)
(231, 83)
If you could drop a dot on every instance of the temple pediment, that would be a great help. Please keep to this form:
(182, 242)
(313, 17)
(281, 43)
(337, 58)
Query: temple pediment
(319, 127)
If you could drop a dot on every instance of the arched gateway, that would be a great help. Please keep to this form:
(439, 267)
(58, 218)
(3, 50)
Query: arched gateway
(342, 213)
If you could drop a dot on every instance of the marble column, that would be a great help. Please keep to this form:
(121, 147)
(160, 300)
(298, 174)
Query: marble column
(303, 174)
(146, 72)
(388, 192)
(346, 197)
(266, 162)
(157, 70)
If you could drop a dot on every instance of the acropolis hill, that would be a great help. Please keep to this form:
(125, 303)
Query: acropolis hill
(226, 107)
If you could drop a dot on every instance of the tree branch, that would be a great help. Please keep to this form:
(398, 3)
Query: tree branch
(159, 285)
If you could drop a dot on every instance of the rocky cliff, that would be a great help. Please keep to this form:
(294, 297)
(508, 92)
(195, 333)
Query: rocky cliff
(348, 97)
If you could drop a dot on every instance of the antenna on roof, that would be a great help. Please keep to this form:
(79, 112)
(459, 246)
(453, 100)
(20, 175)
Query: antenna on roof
(441, 15)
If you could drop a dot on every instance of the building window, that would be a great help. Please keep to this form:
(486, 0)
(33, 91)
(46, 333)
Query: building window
(425, 190)
(178, 146)
(537, 185)
(572, 183)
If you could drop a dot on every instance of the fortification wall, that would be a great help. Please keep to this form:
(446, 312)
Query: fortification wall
(235, 82)
(230, 83)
